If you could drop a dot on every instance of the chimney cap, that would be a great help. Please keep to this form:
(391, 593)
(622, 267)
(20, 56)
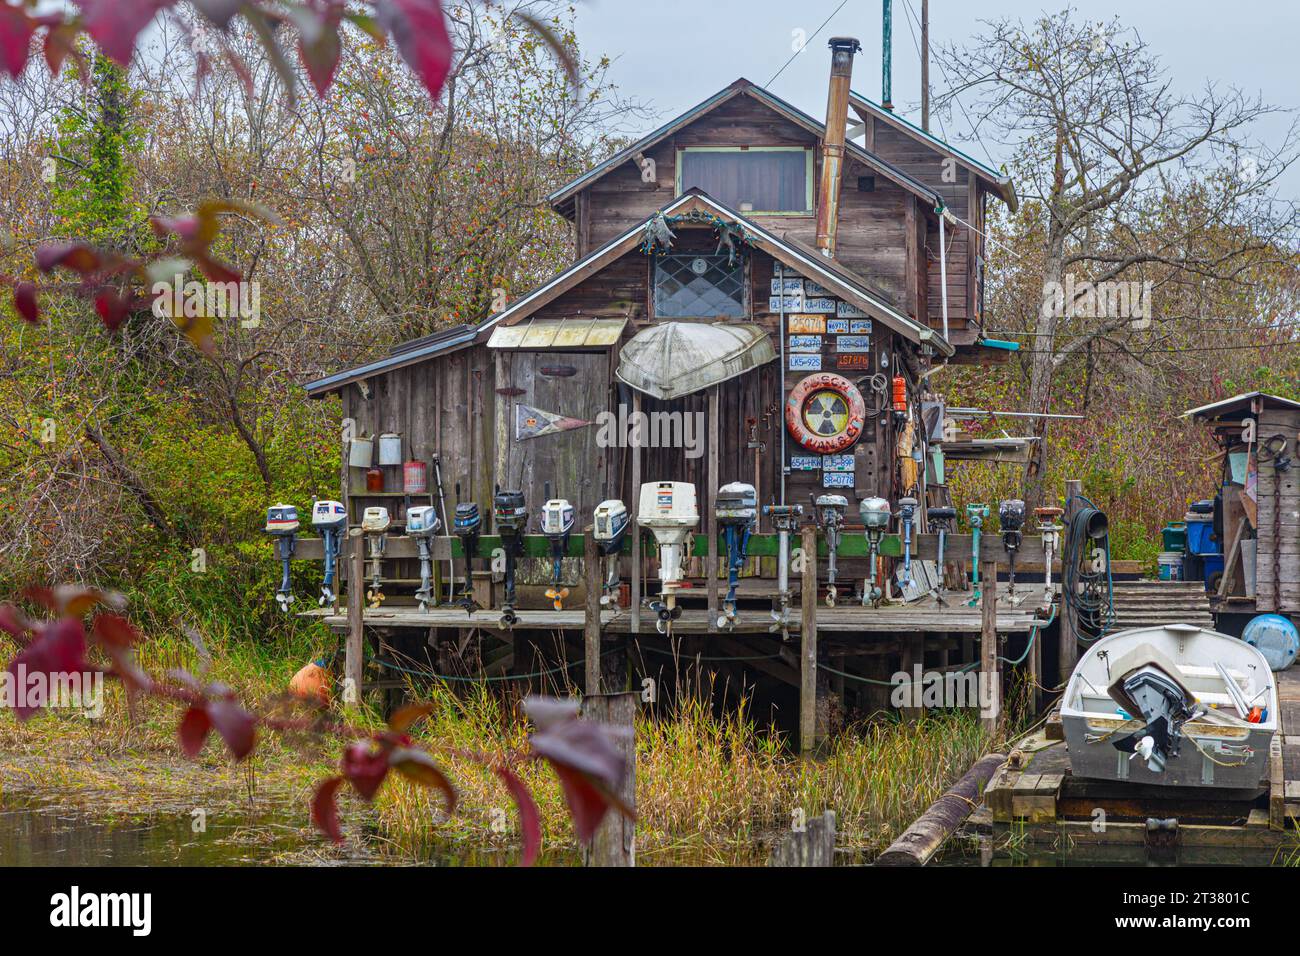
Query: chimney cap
(839, 43)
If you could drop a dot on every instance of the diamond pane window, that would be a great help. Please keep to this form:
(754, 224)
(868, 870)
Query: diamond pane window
(699, 286)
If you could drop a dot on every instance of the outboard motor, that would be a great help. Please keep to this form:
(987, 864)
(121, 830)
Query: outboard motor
(830, 511)
(975, 515)
(557, 523)
(785, 519)
(874, 513)
(510, 517)
(611, 522)
(1011, 515)
(668, 510)
(282, 524)
(737, 505)
(329, 519)
(422, 523)
(1164, 704)
(374, 525)
(941, 519)
(906, 512)
(1051, 532)
(468, 523)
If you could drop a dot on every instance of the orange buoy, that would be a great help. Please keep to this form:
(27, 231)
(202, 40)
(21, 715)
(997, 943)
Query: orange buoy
(312, 681)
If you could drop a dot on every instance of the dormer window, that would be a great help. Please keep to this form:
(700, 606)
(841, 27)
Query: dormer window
(754, 180)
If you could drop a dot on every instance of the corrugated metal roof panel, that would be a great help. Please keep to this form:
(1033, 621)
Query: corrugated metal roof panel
(580, 333)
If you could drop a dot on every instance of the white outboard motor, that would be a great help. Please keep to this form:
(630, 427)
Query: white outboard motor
(557, 523)
(329, 518)
(737, 505)
(610, 524)
(668, 510)
(422, 523)
(375, 522)
(282, 524)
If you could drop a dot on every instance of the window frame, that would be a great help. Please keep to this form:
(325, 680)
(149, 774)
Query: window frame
(810, 169)
(744, 315)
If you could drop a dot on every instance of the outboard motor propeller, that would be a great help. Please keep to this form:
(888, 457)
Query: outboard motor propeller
(941, 519)
(422, 523)
(874, 513)
(1011, 515)
(557, 523)
(830, 510)
(329, 518)
(975, 515)
(785, 519)
(737, 505)
(468, 524)
(610, 524)
(374, 525)
(282, 524)
(510, 516)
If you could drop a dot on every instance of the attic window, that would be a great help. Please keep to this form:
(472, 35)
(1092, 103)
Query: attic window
(693, 286)
(758, 180)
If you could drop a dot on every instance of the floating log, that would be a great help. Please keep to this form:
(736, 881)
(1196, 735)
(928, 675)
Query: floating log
(923, 838)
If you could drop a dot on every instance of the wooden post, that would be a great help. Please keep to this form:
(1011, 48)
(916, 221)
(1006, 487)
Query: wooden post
(814, 845)
(808, 637)
(352, 663)
(1069, 640)
(711, 519)
(591, 618)
(614, 843)
(635, 504)
(989, 643)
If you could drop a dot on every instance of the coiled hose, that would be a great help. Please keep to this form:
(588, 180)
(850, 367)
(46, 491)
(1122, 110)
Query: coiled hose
(1087, 595)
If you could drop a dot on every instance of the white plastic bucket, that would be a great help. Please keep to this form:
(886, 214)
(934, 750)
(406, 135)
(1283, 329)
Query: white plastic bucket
(1171, 565)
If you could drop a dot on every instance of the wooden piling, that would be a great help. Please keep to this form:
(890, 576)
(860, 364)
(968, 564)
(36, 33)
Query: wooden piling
(808, 638)
(711, 518)
(814, 845)
(634, 506)
(989, 643)
(1069, 638)
(919, 842)
(352, 660)
(591, 621)
(614, 843)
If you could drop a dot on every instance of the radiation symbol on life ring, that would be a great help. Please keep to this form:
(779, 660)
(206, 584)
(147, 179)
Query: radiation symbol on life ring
(825, 412)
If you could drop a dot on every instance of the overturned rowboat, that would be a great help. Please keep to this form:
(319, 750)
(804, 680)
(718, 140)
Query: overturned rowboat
(1176, 705)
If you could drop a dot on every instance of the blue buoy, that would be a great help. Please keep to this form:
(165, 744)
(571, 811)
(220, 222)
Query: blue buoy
(1275, 637)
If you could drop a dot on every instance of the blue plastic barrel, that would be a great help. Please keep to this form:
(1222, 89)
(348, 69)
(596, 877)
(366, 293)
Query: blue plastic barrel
(1275, 637)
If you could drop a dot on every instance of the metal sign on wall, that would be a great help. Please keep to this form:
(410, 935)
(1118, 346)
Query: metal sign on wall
(805, 343)
(805, 363)
(853, 343)
(808, 324)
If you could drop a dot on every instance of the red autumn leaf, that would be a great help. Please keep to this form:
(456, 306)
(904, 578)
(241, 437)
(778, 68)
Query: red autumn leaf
(76, 256)
(25, 302)
(590, 767)
(319, 48)
(235, 725)
(365, 767)
(419, 30)
(419, 766)
(59, 42)
(115, 631)
(530, 821)
(186, 227)
(70, 600)
(112, 309)
(115, 24)
(14, 623)
(325, 811)
(404, 717)
(59, 648)
(193, 731)
(16, 29)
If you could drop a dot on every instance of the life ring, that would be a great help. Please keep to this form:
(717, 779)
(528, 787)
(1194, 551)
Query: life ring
(825, 412)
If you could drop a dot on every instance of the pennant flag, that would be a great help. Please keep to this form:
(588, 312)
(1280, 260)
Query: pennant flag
(534, 422)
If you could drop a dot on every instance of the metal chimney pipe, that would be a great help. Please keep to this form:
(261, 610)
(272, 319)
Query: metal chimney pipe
(837, 115)
(887, 55)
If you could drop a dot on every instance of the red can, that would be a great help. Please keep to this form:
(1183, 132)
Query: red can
(415, 478)
(900, 394)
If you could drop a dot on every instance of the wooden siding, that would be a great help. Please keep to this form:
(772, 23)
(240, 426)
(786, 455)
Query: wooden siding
(1277, 562)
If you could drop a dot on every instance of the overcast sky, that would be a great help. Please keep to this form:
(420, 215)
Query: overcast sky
(671, 54)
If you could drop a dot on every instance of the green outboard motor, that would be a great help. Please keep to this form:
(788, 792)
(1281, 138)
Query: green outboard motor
(975, 515)
(737, 505)
(329, 518)
(510, 517)
(282, 524)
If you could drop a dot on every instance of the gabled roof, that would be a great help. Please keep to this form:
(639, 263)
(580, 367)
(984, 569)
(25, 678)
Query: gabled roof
(741, 87)
(841, 281)
(998, 182)
(1238, 405)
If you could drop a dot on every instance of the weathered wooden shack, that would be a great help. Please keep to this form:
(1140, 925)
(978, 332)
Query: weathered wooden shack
(817, 255)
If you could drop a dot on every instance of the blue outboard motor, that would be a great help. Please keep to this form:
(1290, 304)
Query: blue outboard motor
(282, 524)
(329, 518)
(468, 524)
(737, 505)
